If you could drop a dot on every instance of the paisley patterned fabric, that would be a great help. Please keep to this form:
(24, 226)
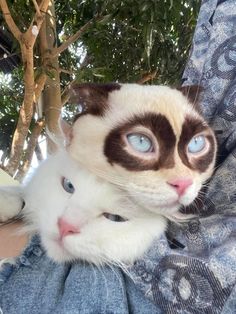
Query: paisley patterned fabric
(195, 270)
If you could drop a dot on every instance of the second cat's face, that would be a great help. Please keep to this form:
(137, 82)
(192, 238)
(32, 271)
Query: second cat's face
(81, 217)
(148, 140)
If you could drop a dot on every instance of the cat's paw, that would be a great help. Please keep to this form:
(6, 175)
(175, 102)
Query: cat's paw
(11, 202)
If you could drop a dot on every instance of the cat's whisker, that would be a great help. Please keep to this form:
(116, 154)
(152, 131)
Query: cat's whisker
(196, 206)
(123, 266)
(113, 269)
(94, 273)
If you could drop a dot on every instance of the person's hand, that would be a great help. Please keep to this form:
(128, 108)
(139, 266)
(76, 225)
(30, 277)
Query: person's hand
(11, 240)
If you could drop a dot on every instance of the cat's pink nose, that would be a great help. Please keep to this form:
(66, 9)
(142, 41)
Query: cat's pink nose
(65, 228)
(180, 185)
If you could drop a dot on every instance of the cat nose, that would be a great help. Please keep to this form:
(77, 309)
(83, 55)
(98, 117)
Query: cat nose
(180, 185)
(65, 228)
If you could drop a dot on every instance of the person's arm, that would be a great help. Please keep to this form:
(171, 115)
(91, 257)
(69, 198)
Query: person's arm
(11, 242)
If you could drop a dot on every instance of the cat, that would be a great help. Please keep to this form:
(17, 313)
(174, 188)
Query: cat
(82, 217)
(150, 141)
(134, 155)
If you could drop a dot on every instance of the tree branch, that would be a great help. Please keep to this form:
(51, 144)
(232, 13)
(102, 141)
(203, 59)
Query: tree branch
(85, 62)
(30, 35)
(30, 149)
(39, 85)
(44, 6)
(147, 77)
(37, 9)
(70, 72)
(66, 92)
(27, 41)
(9, 20)
(57, 51)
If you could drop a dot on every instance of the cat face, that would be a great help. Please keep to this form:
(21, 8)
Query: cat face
(148, 140)
(80, 216)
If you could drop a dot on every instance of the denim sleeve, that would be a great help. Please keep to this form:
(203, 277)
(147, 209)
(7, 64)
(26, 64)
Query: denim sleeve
(34, 284)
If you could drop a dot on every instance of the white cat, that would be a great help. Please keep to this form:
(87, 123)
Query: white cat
(80, 216)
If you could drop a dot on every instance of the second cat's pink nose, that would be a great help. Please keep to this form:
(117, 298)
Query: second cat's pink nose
(65, 228)
(180, 185)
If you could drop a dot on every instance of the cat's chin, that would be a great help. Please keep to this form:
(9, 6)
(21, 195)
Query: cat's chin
(56, 250)
(164, 207)
(158, 207)
(60, 251)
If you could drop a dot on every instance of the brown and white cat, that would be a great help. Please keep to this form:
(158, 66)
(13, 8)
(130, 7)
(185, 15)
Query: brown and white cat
(150, 141)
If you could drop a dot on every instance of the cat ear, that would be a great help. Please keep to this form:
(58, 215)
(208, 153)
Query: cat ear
(66, 130)
(192, 93)
(91, 97)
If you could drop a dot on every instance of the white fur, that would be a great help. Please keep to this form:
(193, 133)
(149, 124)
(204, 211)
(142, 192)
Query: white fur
(146, 188)
(100, 240)
(10, 202)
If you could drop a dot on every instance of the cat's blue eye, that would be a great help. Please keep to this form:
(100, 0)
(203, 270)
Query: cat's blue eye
(68, 186)
(140, 142)
(197, 144)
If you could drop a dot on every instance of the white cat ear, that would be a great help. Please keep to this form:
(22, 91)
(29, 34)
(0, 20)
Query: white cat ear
(66, 130)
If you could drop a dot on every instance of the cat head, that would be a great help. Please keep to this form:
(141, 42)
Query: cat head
(80, 216)
(151, 141)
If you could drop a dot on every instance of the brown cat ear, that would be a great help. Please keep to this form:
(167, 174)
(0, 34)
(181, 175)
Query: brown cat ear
(91, 97)
(192, 92)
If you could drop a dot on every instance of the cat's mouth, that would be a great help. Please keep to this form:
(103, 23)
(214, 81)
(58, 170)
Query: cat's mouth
(116, 218)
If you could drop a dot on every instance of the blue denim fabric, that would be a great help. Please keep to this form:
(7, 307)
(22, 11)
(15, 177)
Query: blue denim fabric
(37, 285)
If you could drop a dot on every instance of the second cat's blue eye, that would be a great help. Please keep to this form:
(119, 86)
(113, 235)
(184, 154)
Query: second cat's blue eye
(197, 144)
(140, 142)
(67, 186)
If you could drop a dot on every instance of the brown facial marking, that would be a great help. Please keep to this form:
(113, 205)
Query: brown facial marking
(193, 94)
(161, 129)
(190, 128)
(92, 97)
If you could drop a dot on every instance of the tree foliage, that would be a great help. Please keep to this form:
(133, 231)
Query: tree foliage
(120, 40)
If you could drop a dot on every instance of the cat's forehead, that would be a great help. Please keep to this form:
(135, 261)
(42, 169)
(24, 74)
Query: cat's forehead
(118, 103)
(133, 100)
(165, 114)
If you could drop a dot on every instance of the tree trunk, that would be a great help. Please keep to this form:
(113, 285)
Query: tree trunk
(52, 93)
(26, 41)
(26, 111)
(23, 169)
